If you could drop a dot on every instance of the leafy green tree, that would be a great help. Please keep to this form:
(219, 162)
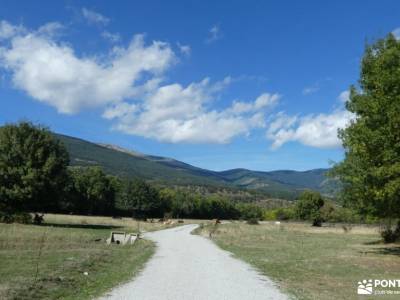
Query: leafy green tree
(308, 207)
(92, 192)
(141, 199)
(248, 211)
(184, 205)
(33, 167)
(370, 172)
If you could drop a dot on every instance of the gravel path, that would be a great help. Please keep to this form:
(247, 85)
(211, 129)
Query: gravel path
(187, 266)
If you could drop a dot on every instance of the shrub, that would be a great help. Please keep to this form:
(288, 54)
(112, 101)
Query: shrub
(389, 234)
(22, 217)
(249, 211)
(308, 207)
(284, 214)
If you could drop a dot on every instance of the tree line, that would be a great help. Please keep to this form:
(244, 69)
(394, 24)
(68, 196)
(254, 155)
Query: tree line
(34, 173)
(35, 177)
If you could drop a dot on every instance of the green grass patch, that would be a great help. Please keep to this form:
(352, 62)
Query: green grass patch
(311, 263)
(49, 262)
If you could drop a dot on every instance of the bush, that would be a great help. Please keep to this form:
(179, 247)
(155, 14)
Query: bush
(284, 214)
(308, 207)
(22, 217)
(280, 214)
(249, 211)
(391, 235)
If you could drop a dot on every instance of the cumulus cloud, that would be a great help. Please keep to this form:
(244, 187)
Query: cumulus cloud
(94, 17)
(263, 101)
(119, 110)
(214, 34)
(174, 113)
(112, 37)
(313, 130)
(8, 30)
(184, 49)
(344, 96)
(52, 73)
(396, 33)
(128, 84)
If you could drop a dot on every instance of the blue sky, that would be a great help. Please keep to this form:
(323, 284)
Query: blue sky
(218, 84)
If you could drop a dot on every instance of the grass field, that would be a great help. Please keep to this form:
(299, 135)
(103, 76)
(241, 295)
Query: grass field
(312, 263)
(49, 261)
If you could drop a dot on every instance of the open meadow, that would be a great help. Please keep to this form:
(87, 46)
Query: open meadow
(67, 257)
(311, 262)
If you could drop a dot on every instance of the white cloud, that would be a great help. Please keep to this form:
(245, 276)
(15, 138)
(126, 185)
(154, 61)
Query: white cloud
(8, 30)
(50, 29)
(52, 73)
(214, 34)
(310, 90)
(94, 17)
(313, 130)
(316, 86)
(184, 49)
(119, 110)
(344, 96)
(263, 101)
(128, 84)
(112, 37)
(396, 33)
(176, 114)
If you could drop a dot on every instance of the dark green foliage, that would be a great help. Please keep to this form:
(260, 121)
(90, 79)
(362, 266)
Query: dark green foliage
(32, 169)
(285, 213)
(308, 207)
(249, 211)
(370, 171)
(389, 234)
(18, 217)
(141, 199)
(90, 191)
(121, 162)
(194, 205)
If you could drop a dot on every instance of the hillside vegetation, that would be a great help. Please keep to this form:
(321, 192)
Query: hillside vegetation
(284, 184)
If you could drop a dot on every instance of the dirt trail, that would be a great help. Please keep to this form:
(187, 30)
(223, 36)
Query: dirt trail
(187, 266)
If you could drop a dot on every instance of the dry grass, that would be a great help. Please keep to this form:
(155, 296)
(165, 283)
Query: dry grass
(127, 224)
(312, 263)
(49, 261)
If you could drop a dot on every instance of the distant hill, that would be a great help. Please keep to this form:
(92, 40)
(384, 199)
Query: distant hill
(119, 161)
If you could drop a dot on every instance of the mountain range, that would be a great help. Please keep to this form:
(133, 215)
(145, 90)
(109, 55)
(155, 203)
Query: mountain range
(285, 184)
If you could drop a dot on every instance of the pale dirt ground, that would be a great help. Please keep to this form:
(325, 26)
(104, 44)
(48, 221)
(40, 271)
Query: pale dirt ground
(187, 266)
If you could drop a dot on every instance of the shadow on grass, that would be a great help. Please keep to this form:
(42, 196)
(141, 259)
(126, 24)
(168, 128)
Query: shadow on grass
(389, 250)
(82, 226)
(377, 242)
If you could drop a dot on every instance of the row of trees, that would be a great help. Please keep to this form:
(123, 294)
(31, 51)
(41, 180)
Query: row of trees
(35, 177)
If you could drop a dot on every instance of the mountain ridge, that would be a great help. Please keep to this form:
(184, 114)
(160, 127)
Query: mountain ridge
(129, 163)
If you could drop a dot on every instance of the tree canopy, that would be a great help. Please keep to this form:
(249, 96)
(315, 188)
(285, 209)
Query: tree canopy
(33, 168)
(308, 207)
(370, 172)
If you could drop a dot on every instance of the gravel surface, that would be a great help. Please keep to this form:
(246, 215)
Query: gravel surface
(187, 266)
